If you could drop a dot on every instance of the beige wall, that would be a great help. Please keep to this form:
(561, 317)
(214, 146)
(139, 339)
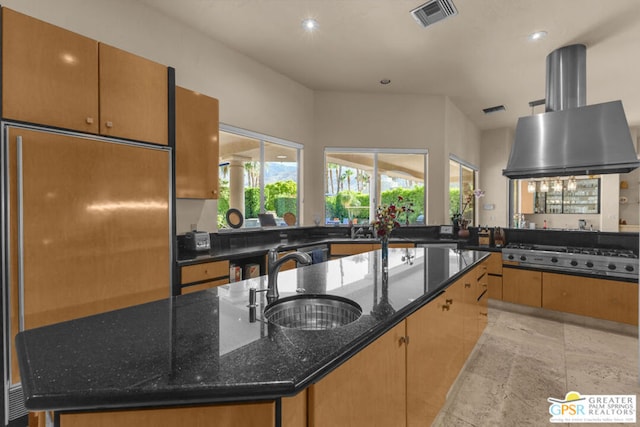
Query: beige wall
(495, 148)
(392, 121)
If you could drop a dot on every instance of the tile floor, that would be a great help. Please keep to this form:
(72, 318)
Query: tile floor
(527, 355)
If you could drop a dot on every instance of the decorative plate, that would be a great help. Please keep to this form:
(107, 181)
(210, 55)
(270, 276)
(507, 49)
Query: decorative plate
(234, 218)
(289, 218)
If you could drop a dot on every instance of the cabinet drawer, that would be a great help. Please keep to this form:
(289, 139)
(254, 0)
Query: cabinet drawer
(205, 285)
(206, 271)
(350, 248)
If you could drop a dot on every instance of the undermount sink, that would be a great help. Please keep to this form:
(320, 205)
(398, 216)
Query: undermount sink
(312, 312)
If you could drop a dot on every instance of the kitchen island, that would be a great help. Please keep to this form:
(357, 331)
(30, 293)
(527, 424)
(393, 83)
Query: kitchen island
(203, 349)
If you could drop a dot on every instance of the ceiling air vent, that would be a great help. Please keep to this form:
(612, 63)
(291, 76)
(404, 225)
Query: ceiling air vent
(494, 109)
(433, 11)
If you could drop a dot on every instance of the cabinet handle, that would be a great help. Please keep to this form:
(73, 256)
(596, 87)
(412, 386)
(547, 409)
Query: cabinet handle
(89, 120)
(449, 301)
(483, 314)
(404, 340)
(484, 285)
(214, 192)
(109, 124)
(445, 307)
(467, 285)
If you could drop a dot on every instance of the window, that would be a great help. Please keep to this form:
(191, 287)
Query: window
(258, 174)
(358, 180)
(462, 183)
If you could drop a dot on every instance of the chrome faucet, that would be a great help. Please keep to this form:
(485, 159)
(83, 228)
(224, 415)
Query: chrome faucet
(273, 265)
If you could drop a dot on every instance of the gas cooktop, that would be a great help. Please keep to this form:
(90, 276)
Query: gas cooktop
(616, 262)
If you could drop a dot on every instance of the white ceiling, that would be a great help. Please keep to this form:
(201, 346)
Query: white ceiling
(479, 58)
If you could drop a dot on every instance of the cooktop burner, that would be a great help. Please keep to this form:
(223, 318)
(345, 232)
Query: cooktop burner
(599, 261)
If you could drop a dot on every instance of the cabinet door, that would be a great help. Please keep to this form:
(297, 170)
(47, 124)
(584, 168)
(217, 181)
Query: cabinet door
(367, 390)
(231, 415)
(133, 96)
(49, 74)
(494, 264)
(604, 299)
(469, 313)
(96, 226)
(522, 287)
(434, 355)
(351, 248)
(197, 147)
(495, 287)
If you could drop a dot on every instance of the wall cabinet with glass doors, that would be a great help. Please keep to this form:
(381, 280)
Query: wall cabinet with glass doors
(585, 199)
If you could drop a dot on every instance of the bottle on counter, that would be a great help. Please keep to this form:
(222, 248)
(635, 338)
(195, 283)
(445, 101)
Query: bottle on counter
(544, 225)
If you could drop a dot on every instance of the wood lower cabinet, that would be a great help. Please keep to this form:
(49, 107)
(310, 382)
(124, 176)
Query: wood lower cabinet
(494, 279)
(343, 249)
(197, 145)
(54, 77)
(197, 277)
(522, 286)
(431, 346)
(261, 414)
(294, 410)
(600, 298)
(434, 355)
(368, 389)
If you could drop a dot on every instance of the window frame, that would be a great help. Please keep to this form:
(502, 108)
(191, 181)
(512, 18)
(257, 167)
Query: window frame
(374, 191)
(262, 139)
(463, 163)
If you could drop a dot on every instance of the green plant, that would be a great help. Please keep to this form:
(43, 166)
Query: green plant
(251, 202)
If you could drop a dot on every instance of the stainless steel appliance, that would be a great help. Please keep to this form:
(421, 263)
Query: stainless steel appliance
(600, 262)
(571, 138)
(197, 240)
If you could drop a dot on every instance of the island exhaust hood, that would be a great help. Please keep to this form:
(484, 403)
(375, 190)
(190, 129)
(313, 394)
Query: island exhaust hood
(571, 138)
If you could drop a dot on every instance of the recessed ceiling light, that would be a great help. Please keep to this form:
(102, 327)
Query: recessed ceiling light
(537, 35)
(310, 24)
(385, 81)
(281, 156)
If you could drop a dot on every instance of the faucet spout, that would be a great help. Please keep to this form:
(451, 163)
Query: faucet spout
(274, 264)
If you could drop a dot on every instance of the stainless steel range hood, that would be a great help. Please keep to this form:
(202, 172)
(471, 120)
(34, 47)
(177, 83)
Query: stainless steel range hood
(571, 138)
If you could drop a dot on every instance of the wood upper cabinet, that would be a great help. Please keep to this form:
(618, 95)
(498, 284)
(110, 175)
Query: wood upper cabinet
(522, 286)
(197, 145)
(604, 299)
(134, 101)
(49, 74)
(55, 77)
(367, 390)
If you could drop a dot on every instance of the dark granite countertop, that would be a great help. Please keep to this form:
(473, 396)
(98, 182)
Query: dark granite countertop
(202, 348)
(186, 257)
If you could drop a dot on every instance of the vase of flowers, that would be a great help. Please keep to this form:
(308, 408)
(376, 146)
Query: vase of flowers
(458, 218)
(385, 221)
